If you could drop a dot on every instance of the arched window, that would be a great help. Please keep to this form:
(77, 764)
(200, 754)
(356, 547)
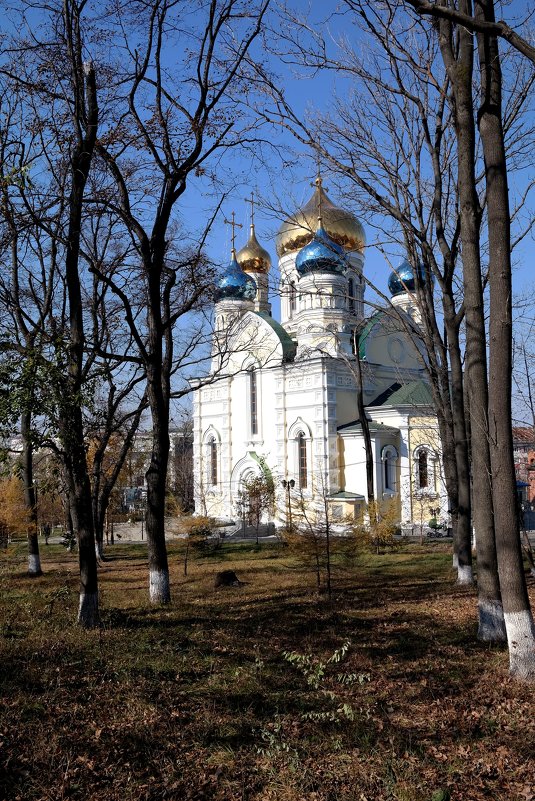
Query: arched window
(212, 455)
(253, 401)
(302, 460)
(293, 298)
(389, 457)
(423, 470)
(351, 295)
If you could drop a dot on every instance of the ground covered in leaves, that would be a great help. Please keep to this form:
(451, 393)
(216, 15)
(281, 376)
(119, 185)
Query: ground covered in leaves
(262, 692)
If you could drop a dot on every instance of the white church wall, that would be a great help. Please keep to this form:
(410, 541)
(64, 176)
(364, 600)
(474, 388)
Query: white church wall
(312, 396)
(399, 419)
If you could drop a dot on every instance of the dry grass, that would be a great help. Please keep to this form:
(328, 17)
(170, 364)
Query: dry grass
(196, 700)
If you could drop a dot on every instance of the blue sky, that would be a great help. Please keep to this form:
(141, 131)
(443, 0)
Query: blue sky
(289, 185)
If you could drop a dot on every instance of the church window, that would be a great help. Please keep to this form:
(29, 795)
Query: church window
(253, 401)
(351, 295)
(212, 451)
(423, 470)
(424, 467)
(302, 460)
(389, 457)
(293, 298)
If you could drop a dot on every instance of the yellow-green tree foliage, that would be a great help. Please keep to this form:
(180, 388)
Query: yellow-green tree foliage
(14, 516)
(379, 524)
(195, 533)
(322, 541)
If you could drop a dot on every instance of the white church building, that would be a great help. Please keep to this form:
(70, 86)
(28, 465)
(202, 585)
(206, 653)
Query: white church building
(280, 401)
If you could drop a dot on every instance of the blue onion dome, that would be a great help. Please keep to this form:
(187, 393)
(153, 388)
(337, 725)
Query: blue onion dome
(322, 255)
(234, 284)
(402, 280)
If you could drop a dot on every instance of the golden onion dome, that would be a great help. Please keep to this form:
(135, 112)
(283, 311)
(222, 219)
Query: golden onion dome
(341, 226)
(253, 258)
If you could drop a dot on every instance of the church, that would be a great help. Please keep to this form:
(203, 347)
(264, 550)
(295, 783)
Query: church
(280, 401)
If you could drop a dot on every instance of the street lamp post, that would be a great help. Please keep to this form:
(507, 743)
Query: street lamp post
(288, 485)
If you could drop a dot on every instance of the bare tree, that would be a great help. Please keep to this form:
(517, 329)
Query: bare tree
(46, 65)
(463, 17)
(178, 121)
(517, 611)
(457, 52)
(402, 170)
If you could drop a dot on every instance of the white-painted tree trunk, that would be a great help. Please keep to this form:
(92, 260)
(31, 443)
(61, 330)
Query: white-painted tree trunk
(34, 564)
(491, 622)
(159, 589)
(465, 575)
(455, 560)
(521, 640)
(88, 609)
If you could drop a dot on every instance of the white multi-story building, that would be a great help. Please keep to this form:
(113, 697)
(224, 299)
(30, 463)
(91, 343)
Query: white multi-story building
(281, 397)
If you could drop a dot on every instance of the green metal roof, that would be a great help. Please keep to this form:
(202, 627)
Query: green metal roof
(415, 393)
(346, 496)
(289, 347)
(375, 428)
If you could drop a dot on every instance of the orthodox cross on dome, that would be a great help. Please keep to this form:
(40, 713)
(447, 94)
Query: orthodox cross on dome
(234, 225)
(251, 201)
(318, 183)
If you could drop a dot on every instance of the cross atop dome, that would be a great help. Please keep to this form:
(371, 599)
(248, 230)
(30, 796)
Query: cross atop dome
(319, 194)
(251, 201)
(253, 258)
(233, 225)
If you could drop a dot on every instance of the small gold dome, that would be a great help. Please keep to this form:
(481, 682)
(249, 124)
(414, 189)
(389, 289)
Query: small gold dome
(341, 225)
(253, 258)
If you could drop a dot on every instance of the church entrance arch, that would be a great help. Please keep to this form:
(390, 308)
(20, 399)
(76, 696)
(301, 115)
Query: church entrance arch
(247, 505)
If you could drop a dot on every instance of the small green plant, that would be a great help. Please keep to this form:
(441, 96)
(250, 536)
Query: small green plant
(273, 741)
(61, 594)
(315, 672)
(68, 541)
(313, 669)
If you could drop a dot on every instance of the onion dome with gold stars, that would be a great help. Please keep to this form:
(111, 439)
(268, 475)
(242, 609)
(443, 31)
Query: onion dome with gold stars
(340, 225)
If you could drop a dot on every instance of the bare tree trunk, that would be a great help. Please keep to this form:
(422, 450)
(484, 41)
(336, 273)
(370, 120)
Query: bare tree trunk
(79, 492)
(98, 520)
(159, 586)
(30, 500)
(103, 481)
(463, 533)
(460, 70)
(370, 491)
(70, 415)
(517, 611)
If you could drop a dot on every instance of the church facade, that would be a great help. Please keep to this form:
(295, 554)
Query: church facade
(280, 402)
